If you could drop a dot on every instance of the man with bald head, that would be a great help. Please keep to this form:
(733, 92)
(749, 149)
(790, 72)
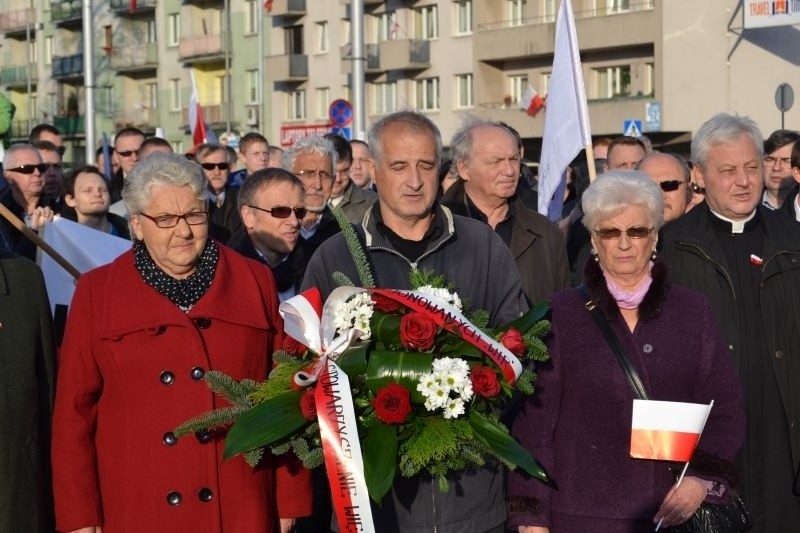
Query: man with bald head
(672, 174)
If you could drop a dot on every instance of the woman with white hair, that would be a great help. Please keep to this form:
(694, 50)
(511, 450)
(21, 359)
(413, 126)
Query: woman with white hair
(579, 423)
(141, 334)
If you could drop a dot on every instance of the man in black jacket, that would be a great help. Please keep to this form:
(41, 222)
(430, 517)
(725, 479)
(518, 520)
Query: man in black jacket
(406, 229)
(746, 260)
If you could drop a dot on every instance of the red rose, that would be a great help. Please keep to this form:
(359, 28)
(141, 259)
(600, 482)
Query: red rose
(293, 347)
(307, 405)
(484, 381)
(384, 304)
(417, 331)
(392, 404)
(512, 339)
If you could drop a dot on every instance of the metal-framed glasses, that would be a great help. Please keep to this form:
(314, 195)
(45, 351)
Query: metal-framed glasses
(782, 161)
(194, 218)
(323, 174)
(634, 232)
(282, 211)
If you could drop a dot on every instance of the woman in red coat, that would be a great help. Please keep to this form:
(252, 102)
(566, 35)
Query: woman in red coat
(141, 334)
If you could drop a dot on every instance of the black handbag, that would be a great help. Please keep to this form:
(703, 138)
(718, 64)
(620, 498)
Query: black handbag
(730, 516)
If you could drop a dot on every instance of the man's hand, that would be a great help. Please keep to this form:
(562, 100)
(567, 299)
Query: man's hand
(39, 216)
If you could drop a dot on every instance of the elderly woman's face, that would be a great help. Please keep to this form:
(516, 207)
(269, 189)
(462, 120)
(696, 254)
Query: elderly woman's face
(624, 253)
(175, 250)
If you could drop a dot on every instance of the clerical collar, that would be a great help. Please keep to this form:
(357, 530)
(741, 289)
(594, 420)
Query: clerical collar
(737, 226)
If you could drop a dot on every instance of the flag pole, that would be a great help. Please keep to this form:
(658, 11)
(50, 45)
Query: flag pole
(30, 234)
(590, 162)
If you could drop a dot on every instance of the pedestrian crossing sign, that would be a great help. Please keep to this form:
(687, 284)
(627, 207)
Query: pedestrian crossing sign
(632, 128)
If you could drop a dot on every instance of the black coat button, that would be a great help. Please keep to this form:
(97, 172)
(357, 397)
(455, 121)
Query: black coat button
(167, 377)
(174, 498)
(205, 494)
(170, 439)
(203, 323)
(197, 373)
(203, 435)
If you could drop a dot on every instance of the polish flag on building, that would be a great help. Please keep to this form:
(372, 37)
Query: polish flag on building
(133, 6)
(531, 102)
(667, 431)
(196, 123)
(268, 5)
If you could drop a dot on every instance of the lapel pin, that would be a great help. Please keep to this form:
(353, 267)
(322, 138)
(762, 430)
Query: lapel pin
(756, 260)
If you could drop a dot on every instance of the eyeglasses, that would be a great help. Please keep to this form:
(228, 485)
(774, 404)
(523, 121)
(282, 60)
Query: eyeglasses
(126, 153)
(61, 150)
(323, 174)
(782, 161)
(282, 211)
(671, 185)
(212, 166)
(635, 232)
(195, 218)
(30, 169)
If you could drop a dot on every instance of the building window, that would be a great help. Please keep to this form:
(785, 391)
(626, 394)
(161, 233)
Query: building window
(34, 104)
(550, 10)
(219, 90)
(151, 90)
(426, 22)
(384, 97)
(606, 7)
(323, 102)
(293, 36)
(611, 82)
(345, 36)
(649, 79)
(464, 90)
(175, 95)
(33, 52)
(296, 105)
(517, 85)
(544, 82)
(173, 29)
(516, 12)
(251, 13)
(384, 26)
(322, 37)
(427, 94)
(463, 17)
(251, 77)
(48, 50)
(152, 35)
(107, 99)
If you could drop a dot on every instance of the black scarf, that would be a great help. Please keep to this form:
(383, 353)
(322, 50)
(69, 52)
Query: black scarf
(182, 292)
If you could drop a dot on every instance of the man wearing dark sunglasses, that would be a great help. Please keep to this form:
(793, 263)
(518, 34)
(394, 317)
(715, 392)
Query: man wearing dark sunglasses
(222, 209)
(672, 174)
(127, 142)
(23, 170)
(53, 176)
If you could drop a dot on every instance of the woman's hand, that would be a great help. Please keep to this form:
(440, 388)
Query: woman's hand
(681, 502)
(287, 524)
(533, 529)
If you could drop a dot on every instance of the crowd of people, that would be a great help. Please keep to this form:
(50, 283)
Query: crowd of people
(692, 264)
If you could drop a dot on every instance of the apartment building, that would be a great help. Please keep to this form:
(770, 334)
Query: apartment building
(668, 64)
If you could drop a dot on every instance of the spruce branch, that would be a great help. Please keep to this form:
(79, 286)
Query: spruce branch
(341, 280)
(237, 393)
(356, 250)
(211, 420)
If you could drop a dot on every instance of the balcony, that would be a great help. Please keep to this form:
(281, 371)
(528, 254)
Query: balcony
(367, 3)
(288, 8)
(65, 13)
(202, 48)
(17, 77)
(14, 23)
(68, 68)
(70, 126)
(20, 128)
(212, 114)
(405, 54)
(204, 3)
(123, 7)
(534, 37)
(373, 64)
(140, 58)
(143, 119)
(287, 67)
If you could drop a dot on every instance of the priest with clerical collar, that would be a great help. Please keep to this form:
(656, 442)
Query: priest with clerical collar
(745, 258)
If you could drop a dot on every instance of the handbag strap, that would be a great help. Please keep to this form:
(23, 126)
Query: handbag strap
(616, 347)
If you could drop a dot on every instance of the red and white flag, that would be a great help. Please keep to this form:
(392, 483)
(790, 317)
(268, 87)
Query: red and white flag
(268, 5)
(531, 102)
(566, 123)
(196, 123)
(667, 431)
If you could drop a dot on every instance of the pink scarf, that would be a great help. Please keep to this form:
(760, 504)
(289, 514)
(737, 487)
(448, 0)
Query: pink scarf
(629, 299)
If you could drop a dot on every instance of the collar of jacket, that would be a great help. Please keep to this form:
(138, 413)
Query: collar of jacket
(650, 307)
(222, 302)
(374, 239)
(4, 285)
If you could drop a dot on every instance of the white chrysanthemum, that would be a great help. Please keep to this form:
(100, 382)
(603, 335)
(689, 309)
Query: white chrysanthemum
(443, 365)
(442, 294)
(354, 313)
(454, 408)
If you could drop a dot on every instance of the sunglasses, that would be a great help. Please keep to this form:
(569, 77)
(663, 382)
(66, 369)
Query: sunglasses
(635, 232)
(30, 169)
(671, 185)
(126, 153)
(212, 166)
(282, 211)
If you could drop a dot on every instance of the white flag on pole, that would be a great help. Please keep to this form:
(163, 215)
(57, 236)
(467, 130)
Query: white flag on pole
(566, 123)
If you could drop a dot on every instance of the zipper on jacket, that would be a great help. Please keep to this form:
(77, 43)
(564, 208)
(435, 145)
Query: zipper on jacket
(412, 264)
(717, 264)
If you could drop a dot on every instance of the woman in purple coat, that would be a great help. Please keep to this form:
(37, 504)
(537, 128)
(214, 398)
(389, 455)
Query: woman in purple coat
(579, 424)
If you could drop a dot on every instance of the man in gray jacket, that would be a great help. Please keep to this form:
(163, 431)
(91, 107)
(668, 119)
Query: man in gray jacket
(406, 229)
